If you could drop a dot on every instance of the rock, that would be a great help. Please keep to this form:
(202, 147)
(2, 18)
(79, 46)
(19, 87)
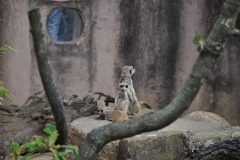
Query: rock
(165, 144)
(44, 156)
(207, 117)
(40, 156)
(151, 146)
(78, 130)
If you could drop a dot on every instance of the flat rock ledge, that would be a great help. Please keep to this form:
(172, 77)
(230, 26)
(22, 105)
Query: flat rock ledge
(165, 144)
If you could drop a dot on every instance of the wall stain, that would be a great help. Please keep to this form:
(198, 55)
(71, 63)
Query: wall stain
(154, 27)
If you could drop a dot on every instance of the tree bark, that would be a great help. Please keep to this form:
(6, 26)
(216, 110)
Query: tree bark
(40, 48)
(224, 150)
(214, 45)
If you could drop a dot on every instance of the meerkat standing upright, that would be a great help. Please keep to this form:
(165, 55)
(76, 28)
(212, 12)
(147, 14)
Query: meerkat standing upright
(122, 101)
(134, 106)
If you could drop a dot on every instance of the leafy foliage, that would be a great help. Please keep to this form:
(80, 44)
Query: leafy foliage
(5, 49)
(39, 144)
(4, 92)
(199, 41)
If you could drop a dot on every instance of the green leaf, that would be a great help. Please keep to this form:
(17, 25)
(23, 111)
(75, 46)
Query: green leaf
(72, 147)
(55, 155)
(5, 93)
(49, 129)
(27, 155)
(32, 146)
(3, 48)
(6, 48)
(56, 158)
(15, 145)
(196, 39)
(61, 155)
(39, 144)
(12, 155)
(202, 44)
(16, 148)
(38, 139)
(53, 138)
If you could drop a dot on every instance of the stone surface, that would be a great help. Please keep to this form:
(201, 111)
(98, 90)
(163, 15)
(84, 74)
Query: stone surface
(151, 146)
(164, 144)
(207, 117)
(79, 128)
(43, 156)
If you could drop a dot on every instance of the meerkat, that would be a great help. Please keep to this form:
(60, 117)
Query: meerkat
(111, 115)
(133, 107)
(122, 101)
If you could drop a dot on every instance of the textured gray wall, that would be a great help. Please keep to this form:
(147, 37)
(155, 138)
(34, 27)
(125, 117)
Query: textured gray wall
(155, 36)
(15, 32)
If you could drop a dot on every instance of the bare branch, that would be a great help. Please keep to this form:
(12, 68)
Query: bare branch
(98, 137)
(40, 48)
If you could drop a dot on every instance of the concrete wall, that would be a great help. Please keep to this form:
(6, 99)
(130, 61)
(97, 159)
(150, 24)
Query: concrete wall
(155, 36)
(14, 31)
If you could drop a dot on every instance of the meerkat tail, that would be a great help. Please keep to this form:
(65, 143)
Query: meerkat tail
(131, 116)
(145, 104)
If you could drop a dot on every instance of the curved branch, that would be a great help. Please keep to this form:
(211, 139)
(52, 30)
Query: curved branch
(98, 137)
(40, 48)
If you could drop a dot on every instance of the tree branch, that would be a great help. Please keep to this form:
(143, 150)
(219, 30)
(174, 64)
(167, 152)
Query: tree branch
(224, 150)
(40, 48)
(98, 137)
(235, 32)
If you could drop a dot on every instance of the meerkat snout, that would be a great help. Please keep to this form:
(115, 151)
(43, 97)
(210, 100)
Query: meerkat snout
(132, 71)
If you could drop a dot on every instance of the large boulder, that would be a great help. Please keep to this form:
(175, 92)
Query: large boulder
(207, 117)
(165, 144)
(79, 129)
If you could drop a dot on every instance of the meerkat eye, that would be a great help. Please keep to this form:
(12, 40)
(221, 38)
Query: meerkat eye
(130, 71)
(126, 86)
(121, 86)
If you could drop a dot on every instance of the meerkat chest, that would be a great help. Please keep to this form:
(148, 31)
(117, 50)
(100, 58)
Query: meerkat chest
(130, 84)
(122, 95)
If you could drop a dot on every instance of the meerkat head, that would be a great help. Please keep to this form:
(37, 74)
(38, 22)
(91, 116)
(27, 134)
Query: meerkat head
(122, 86)
(128, 71)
